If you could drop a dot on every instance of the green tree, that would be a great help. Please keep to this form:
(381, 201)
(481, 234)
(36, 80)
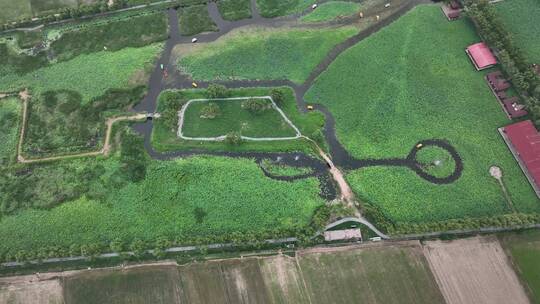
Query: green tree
(117, 245)
(233, 138)
(138, 248)
(277, 96)
(217, 91)
(255, 105)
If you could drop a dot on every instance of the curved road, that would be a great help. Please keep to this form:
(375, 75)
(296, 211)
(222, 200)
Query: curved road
(339, 154)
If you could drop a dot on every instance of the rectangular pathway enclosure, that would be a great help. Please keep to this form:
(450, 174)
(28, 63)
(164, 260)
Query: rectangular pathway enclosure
(523, 140)
(255, 118)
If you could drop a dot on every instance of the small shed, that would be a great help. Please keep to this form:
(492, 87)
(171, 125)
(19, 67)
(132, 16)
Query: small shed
(481, 56)
(523, 140)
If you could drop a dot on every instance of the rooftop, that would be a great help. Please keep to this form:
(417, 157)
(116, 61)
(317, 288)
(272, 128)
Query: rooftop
(524, 141)
(481, 56)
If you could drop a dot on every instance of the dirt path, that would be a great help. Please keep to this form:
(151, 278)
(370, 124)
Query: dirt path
(106, 144)
(347, 194)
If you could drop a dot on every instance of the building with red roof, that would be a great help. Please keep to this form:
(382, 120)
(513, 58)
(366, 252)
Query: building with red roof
(523, 140)
(481, 56)
(452, 11)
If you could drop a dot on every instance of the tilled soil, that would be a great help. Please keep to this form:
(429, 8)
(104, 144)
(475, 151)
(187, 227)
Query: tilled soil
(474, 270)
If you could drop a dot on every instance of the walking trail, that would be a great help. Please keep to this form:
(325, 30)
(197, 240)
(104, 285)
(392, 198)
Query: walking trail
(376, 18)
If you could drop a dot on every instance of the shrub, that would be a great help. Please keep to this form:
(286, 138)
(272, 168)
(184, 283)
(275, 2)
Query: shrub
(233, 138)
(255, 105)
(138, 248)
(117, 245)
(277, 96)
(217, 91)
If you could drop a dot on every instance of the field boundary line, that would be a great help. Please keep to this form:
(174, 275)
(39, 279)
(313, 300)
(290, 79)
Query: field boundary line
(297, 262)
(181, 118)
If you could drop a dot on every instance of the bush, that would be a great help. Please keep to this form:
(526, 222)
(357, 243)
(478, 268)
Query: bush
(255, 105)
(277, 96)
(170, 103)
(233, 138)
(138, 247)
(217, 91)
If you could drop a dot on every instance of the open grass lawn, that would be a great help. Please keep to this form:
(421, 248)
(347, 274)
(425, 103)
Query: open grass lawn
(525, 251)
(233, 117)
(379, 274)
(407, 83)
(521, 18)
(141, 285)
(234, 9)
(275, 8)
(164, 137)
(90, 75)
(10, 111)
(13, 10)
(331, 10)
(194, 197)
(195, 19)
(262, 54)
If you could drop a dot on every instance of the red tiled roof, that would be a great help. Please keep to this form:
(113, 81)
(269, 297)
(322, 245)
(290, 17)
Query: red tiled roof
(525, 141)
(481, 55)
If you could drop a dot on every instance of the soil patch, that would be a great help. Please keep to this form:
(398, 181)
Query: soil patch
(474, 270)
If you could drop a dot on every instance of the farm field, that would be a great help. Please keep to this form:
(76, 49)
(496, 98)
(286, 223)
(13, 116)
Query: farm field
(524, 249)
(420, 90)
(257, 53)
(114, 33)
(139, 285)
(39, 6)
(395, 273)
(474, 270)
(23, 291)
(272, 8)
(233, 117)
(232, 10)
(388, 274)
(165, 137)
(202, 197)
(10, 110)
(332, 10)
(90, 75)
(521, 19)
(195, 19)
(14, 9)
